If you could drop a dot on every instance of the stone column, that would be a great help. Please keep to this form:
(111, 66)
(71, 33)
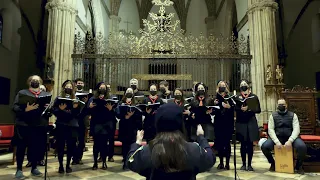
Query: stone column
(60, 39)
(210, 25)
(114, 23)
(263, 48)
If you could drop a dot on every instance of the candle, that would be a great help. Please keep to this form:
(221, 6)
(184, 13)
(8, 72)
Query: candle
(234, 92)
(90, 91)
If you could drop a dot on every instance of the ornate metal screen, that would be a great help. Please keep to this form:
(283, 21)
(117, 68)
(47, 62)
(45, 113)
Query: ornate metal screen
(161, 52)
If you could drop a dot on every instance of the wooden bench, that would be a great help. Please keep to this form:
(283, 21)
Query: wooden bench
(5, 139)
(312, 161)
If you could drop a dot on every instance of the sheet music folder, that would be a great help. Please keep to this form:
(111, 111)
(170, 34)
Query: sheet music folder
(251, 102)
(124, 109)
(69, 102)
(84, 95)
(103, 102)
(143, 107)
(41, 100)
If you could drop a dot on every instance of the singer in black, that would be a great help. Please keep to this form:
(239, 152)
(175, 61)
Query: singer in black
(66, 125)
(112, 133)
(149, 124)
(223, 124)
(129, 124)
(200, 114)
(30, 128)
(247, 130)
(165, 93)
(134, 83)
(101, 124)
(179, 100)
(83, 125)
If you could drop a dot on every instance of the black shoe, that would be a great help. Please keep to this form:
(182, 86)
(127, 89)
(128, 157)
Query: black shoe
(220, 166)
(74, 163)
(250, 168)
(61, 170)
(110, 159)
(227, 167)
(68, 170)
(95, 166)
(272, 167)
(80, 162)
(41, 163)
(243, 168)
(104, 166)
(29, 165)
(299, 171)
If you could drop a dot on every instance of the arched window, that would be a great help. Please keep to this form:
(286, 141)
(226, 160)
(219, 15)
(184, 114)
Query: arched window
(1, 28)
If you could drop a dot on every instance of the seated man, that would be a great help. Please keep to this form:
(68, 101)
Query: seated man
(284, 129)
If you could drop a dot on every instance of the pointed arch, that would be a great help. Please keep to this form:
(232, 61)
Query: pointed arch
(1, 28)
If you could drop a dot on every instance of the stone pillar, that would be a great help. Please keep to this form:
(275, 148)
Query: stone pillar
(60, 39)
(263, 48)
(210, 25)
(114, 23)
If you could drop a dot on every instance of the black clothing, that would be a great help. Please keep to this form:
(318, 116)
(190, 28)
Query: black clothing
(247, 129)
(149, 121)
(200, 158)
(224, 127)
(201, 117)
(139, 93)
(283, 125)
(186, 121)
(166, 96)
(30, 131)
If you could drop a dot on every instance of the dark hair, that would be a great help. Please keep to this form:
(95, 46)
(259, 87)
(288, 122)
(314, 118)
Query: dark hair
(133, 102)
(168, 152)
(78, 79)
(72, 95)
(96, 92)
(153, 84)
(205, 87)
(179, 89)
(165, 83)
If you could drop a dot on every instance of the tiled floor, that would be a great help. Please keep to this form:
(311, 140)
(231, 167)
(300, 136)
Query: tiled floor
(115, 171)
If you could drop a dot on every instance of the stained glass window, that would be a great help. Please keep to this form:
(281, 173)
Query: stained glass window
(1, 28)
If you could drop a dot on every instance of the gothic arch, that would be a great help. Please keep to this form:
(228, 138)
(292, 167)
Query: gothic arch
(1, 28)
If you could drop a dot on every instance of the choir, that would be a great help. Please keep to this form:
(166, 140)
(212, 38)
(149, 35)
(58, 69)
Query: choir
(75, 110)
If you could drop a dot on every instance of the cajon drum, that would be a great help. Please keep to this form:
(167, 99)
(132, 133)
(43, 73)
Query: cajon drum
(284, 160)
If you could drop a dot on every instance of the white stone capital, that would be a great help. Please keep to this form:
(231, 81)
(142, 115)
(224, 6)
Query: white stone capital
(262, 5)
(116, 18)
(63, 6)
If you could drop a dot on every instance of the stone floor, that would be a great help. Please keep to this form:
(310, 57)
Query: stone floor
(115, 171)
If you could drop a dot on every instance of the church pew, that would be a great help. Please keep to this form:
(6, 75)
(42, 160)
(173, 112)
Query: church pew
(7, 132)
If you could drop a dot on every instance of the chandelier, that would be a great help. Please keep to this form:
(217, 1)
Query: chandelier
(162, 36)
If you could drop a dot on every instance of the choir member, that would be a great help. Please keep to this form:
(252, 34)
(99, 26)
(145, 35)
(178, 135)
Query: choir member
(30, 128)
(247, 130)
(113, 130)
(66, 125)
(129, 124)
(134, 85)
(165, 93)
(200, 113)
(83, 124)
(101, 124)
(149, 124)
(179, 100)
(223, 123)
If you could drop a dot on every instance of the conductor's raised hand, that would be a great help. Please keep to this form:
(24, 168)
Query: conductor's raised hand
(92, 105)
(139, 137)
(62, 106)
(31, 107)
(109, 106)
(200, 130)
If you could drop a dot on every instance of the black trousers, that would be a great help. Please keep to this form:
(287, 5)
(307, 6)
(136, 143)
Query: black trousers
(111, 143)
(298, 144)
(125, 149)
(78, 154)
(100, 145)
(66, 135)
(224, 149)
(33, 138)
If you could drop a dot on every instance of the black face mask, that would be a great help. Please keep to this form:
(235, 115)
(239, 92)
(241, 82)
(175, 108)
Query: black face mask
(153, 93)
(281, 108)
(79, 87)
(134, 87)
(163, 90)
(178, 97)
(102, 91)
(129, 95)
(35, 84)
(244, 88)
(200, 92)
(222, 89)
(68, 91)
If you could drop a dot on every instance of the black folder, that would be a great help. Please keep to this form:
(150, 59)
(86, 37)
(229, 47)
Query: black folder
(213, 107)
(41, 100)
(69, 102)
(154, 106)
(251, 102)
(84, 95)
(103, 102)
(124, 109)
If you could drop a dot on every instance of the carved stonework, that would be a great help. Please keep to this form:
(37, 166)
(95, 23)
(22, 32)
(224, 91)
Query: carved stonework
(262, 5)
(63, 6)
(301, 89)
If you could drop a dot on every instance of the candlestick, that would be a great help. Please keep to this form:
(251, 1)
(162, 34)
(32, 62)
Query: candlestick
(90, 91)
(234, 92)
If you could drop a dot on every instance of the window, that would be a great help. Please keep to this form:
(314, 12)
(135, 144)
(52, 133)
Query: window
(1, 28)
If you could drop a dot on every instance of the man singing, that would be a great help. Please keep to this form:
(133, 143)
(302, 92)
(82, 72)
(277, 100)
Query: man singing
(284, 130)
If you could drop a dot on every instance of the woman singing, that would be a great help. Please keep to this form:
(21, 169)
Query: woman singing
(101, 124)
(223, 124)
(67, 125)
(30, 127)
(200, 114)
(148, 124)
(129, 124)
(169, 155)
(247, 130)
